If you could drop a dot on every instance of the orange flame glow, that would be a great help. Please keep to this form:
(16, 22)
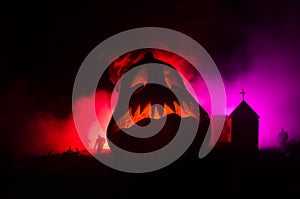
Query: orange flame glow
(124, 63)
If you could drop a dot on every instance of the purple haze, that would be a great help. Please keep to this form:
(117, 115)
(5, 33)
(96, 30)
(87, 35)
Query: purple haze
(270, 79)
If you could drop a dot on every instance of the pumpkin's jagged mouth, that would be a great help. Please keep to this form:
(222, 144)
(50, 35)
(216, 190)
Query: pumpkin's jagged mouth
(145, 105)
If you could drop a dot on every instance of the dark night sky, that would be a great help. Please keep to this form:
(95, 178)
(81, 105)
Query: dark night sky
(44, 45)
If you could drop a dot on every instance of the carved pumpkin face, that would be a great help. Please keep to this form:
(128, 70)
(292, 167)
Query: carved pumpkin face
(154, 89)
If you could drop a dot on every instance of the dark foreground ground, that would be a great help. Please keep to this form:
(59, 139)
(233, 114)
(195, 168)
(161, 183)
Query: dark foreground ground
(265, 174)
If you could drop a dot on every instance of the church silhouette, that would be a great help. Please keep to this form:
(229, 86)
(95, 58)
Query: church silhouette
(241, 129)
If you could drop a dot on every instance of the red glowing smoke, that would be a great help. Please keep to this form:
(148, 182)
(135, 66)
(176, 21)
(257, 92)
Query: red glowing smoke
(30, 131)
(49, 133)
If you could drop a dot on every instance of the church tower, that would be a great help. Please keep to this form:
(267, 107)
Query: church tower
(244, 126)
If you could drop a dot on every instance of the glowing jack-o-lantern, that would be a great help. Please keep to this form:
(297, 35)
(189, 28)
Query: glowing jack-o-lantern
(153, 103)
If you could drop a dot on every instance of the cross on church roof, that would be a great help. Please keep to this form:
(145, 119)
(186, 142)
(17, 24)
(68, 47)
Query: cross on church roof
(243, 93)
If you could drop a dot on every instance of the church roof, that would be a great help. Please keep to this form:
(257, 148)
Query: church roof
(242, 105)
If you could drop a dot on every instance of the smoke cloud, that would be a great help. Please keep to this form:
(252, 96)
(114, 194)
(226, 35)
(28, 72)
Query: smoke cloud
(267, 67)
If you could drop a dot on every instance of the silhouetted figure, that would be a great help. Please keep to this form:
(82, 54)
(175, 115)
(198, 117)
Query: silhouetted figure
(69, 151)
(100, 141)
(282, 140)
(76, 152)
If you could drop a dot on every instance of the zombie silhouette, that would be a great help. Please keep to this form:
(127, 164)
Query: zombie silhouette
(99, 144)
(283, 139)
